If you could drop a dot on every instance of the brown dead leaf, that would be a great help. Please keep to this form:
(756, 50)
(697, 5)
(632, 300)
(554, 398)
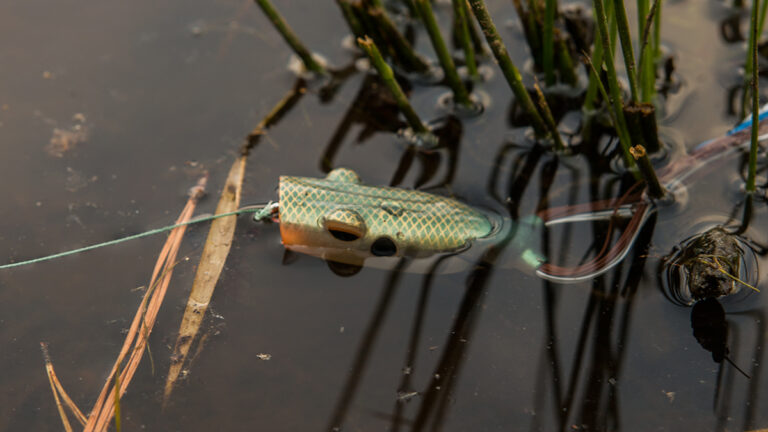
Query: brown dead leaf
(212, 261)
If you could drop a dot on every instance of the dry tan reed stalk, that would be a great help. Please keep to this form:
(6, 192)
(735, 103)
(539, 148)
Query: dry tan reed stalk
(215, 251)
(51, 374)
(144, 320)
(58, 389)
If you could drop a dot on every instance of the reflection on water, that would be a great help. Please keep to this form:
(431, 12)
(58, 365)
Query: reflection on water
(292, 346)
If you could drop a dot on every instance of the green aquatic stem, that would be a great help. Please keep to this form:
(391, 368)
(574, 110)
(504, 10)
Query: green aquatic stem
(612, 113)
(751, 42)
(647, 64)
(565, 62)
(460, 13)
(655, 190)
(290, 37)
(594, 79)
(460, 94)
(613, 84)
(646, 32)
(642, 10)
(657, 31)
(752, 167)
(477, 41)
(388, 78)
(626, 47)
(531, 31)
(508, 68)
(549, 119)
(548, 33)
(400, 45)
(597, 57)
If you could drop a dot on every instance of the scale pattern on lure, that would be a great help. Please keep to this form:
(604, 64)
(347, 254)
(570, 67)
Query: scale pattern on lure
(341, 219)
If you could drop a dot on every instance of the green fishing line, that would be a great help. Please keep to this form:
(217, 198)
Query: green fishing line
(261, 213)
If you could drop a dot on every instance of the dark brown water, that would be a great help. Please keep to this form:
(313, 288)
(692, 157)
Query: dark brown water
(161, 91)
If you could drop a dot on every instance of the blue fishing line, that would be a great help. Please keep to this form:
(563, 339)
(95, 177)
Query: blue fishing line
(748, 122)
(261, 213)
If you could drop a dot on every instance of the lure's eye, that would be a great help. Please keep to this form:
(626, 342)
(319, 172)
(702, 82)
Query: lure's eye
(384, 247)
(343, 235)
(345, 225)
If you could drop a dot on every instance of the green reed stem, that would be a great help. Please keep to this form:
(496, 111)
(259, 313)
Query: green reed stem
(642, 11)
(460, 13)
(613, 84)
(657, 31)
(646, 32)
(597, 58)
(477, 41)
(290, 37)
(626, 47)
(460, 94)
(565, 62)
(508, 68)
(549, 41)
(531, 30)
(549, 119)
(749, 63)
(752, 168)
(655, 190)
(647, 63)
(636, 153)
(598, 83)
(409, 59)
(388, 78)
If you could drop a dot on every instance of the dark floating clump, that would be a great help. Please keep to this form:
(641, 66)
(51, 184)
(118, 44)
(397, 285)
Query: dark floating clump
(707, 266)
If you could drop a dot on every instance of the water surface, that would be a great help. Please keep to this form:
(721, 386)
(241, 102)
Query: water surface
(163, 91)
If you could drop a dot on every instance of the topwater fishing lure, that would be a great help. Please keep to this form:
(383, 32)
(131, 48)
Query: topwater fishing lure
(341, 220)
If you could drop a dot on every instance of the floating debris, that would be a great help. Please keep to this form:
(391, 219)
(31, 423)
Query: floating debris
(406, 396)
(76, 180)
(710, 264)
(64, 140)
(670, 395)
(264, 357)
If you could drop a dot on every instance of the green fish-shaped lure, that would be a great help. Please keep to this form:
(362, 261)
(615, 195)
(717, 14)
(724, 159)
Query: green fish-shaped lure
(338, 218)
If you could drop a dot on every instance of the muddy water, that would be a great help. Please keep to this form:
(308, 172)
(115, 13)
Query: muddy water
(148, 96)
